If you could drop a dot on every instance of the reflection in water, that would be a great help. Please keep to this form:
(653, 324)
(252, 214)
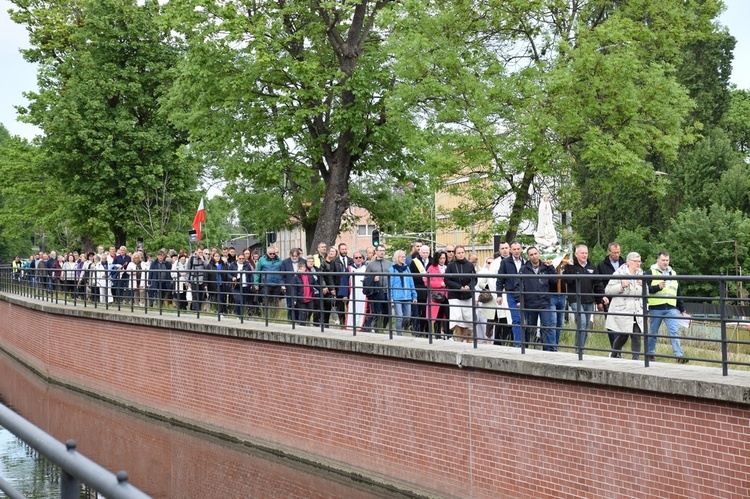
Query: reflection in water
(162, 461)
(25, 470)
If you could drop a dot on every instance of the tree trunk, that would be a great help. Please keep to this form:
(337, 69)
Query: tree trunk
(522, 197)
(335, 202)
(120, 236)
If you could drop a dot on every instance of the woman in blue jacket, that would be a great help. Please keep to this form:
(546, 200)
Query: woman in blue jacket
(402, 290)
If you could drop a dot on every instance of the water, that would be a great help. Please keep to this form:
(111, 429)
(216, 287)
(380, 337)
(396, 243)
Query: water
(162, 460)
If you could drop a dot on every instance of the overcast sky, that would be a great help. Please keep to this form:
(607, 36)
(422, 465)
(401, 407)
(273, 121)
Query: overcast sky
(19, 76)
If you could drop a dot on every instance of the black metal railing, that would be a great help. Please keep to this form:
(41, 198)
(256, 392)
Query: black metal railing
(75, 468)
(354, 301)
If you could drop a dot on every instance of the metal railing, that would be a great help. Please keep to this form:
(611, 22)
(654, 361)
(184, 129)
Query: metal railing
(75, 468)
(353, 301)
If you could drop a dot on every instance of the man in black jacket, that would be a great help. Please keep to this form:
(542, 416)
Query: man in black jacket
(460, 288)
(160, 278)
(289, 269)
(512, 287)
(239, 278)
(608, 266)
(582, 292)
(536, 299)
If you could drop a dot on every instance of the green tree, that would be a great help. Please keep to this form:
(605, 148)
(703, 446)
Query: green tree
(696, 177)
(104, 66)
(286, 100)
(32, 208)
(574, 97)
(697, 243)
(736, 121)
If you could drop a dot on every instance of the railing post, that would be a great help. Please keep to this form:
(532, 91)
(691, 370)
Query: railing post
(70, 486)
(521, 317)
(646, 327)
(474, 316)
(723, 318)
(579, 338)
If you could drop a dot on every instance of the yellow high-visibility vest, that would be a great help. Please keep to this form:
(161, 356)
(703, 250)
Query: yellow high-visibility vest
(668, 295)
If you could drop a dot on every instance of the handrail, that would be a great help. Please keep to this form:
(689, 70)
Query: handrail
(221, 297)
(75, 467)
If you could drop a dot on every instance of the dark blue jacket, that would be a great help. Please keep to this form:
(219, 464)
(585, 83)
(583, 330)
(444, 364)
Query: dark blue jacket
(533, 286)
(511, 285)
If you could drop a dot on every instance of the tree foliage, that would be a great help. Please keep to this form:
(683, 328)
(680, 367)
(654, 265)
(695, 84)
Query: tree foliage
(548, 94)
(286, 99)
(104, 66)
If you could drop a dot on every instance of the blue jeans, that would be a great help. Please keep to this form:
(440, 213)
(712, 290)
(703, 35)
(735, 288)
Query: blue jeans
(547, 319)
(557, 303)
(668, 316)
(402, 311)
(583, 320)
(515, 316)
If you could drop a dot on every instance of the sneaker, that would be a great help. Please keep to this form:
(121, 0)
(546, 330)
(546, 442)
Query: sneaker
(614, 355)
(682, 360)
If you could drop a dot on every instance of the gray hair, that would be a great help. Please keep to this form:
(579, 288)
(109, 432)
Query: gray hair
(633, 255)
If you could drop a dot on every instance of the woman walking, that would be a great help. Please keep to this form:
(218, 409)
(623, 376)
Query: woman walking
(626, 308)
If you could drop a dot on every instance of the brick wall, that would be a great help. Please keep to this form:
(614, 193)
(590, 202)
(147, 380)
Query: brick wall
(433, 427)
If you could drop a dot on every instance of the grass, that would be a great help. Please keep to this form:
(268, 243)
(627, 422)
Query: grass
(698, 350)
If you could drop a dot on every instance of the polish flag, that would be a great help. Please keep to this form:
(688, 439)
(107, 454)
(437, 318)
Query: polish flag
(200, 217)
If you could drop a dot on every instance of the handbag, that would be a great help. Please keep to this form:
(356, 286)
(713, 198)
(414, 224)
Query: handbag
(484, 297)
(437, 297)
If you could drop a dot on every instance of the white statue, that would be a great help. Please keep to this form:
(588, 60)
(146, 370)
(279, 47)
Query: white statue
(545, 235)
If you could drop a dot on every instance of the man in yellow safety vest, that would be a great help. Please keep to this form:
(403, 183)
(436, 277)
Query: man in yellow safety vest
(664, 304)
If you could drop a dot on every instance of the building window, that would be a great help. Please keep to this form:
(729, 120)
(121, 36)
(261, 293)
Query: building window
(365, 230)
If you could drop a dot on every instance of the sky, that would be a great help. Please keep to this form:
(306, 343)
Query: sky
(20, 76)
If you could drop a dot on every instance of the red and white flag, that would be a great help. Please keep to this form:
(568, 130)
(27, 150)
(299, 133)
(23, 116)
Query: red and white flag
(200, 217)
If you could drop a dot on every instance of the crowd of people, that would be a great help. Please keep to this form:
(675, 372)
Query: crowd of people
(509, 298)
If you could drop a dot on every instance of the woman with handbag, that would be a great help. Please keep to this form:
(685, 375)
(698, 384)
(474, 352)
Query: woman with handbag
(437, 303)
(485, 303)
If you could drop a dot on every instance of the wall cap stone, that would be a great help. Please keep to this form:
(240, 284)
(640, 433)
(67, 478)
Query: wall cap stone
(700, 382)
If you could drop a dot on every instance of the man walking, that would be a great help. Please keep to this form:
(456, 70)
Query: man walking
(608, 266)
(376, 289)
(664, 304)
(582, 292)
(536, 299)
(512, 287)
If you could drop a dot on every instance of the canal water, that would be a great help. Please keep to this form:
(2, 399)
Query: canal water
(162, 460)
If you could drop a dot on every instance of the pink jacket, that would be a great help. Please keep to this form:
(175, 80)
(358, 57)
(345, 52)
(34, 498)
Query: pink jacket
(435, 284)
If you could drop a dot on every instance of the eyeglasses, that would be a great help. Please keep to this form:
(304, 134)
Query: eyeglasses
(358, 257)
(449, 251)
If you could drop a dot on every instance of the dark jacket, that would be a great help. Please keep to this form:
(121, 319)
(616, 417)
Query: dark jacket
(234, 275)
(216, 277)
(196, 266)
(536, 290)
(329, 280)
(341, 280)
(511, 285)
(454, 282)
(289, 268)
(298, 285)
(591, 290)
(605, 268)
(159, 276)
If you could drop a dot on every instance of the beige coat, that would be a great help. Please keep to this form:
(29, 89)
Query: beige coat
(627, 302)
